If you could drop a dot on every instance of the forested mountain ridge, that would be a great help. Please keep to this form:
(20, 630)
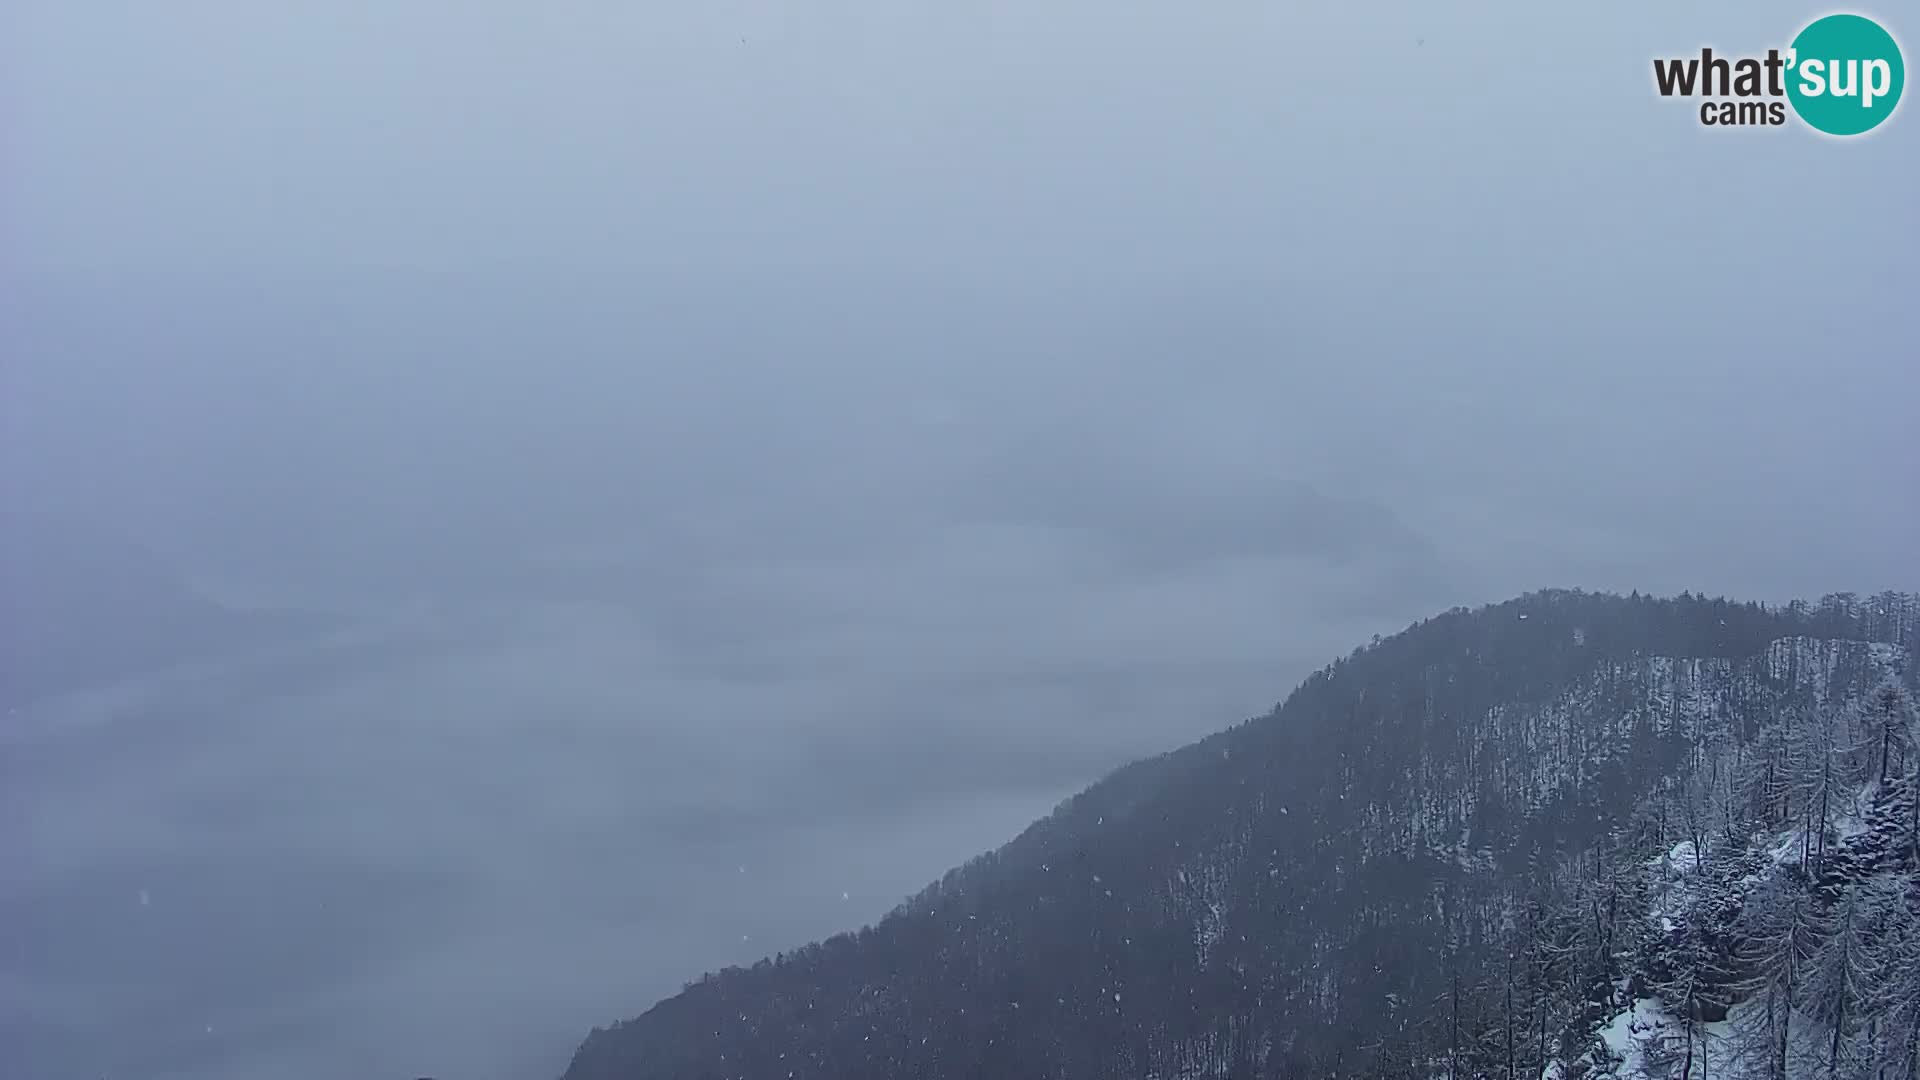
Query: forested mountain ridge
(1522, 840)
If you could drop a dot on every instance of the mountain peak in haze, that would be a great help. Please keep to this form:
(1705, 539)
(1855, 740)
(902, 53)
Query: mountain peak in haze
(82, 605)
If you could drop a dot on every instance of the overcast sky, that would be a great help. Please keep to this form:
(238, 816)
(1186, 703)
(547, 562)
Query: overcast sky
(866, 422)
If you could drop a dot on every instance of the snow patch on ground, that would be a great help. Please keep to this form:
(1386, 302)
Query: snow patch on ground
(1201, 893)
(1788, 846)
(1682, 857)
(1210, 925)
(1626, 1034)
(1627, 1038)
(1645, 1042)
(1849, 825)
(1674, 885)
(1787, 851)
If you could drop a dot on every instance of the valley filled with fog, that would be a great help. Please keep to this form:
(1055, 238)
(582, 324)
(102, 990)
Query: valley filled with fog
(503, 512)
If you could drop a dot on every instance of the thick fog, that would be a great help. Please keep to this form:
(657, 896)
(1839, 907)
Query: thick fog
(510, 506)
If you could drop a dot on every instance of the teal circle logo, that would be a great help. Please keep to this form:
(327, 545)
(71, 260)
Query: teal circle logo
(1845, 74)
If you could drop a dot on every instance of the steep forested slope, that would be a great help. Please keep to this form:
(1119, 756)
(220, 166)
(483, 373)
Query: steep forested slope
(1544, 837)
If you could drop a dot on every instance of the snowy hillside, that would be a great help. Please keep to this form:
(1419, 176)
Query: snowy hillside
(1570, 836)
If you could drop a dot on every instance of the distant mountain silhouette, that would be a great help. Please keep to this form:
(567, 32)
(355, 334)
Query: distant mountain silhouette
(80, 606)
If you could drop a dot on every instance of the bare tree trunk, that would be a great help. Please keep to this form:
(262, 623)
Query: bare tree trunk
(1913, 789)
(1839, 1025)
(1540, 1008)
(1772, 1026)
(1786, 1014)
(1453, 1052)
(1686, 1068)
(1806, 835)
(1510, 1016)
(1826, 786)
